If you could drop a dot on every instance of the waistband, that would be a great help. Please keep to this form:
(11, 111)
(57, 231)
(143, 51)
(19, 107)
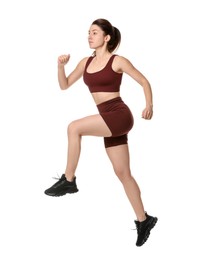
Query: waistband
(113, 100)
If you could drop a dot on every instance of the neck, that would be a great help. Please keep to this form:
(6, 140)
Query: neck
(102, 54)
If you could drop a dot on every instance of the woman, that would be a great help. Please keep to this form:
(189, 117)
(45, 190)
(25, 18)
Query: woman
(102, 73)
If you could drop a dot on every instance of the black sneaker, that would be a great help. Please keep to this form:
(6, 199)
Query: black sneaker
(62, 187)
(144, 228)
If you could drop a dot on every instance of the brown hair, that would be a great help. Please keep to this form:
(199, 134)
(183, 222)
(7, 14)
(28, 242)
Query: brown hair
(115, 35)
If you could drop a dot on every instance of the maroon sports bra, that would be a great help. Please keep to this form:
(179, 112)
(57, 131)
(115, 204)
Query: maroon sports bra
(105, 80)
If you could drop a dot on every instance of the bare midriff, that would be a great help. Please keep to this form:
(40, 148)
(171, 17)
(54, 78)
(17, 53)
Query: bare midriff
(100, 97)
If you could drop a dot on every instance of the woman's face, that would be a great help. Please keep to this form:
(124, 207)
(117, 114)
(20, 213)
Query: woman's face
(96, 37)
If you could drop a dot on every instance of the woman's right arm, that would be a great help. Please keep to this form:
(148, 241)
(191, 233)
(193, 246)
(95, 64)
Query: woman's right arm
(64, 81)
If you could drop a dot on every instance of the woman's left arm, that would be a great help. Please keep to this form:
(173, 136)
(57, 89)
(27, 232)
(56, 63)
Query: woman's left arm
(126, 66)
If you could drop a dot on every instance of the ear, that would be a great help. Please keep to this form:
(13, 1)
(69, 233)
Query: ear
(107, 38)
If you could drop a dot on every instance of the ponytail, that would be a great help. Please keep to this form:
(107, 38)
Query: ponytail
(115, 40)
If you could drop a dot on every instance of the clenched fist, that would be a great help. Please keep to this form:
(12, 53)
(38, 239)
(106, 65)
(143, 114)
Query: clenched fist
(63, 60)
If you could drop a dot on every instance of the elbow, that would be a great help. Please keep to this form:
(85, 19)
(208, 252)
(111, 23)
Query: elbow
(64, 86)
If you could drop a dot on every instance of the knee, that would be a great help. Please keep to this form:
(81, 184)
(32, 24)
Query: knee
(73, 128)
(123, 174)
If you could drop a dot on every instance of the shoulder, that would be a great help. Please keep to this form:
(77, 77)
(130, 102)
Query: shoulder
(82, 63)
(85, 59)
(121, 63)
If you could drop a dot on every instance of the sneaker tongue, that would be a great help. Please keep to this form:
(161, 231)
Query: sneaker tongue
(63, 177)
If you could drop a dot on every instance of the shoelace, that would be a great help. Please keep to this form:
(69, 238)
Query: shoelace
(57, 178)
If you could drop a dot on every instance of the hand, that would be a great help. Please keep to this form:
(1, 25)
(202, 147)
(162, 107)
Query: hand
(147, 113)
(63, 60)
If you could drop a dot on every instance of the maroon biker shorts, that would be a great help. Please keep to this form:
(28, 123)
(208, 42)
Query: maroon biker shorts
(118, 118)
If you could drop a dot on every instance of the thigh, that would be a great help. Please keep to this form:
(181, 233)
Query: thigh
(93, 125)
(119, 157)
(115, 140)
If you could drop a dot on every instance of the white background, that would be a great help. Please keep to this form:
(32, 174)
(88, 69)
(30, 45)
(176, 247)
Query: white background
(171, 155)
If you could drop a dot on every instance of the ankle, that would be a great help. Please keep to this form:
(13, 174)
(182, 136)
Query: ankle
(69, 178)
(141, 218)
